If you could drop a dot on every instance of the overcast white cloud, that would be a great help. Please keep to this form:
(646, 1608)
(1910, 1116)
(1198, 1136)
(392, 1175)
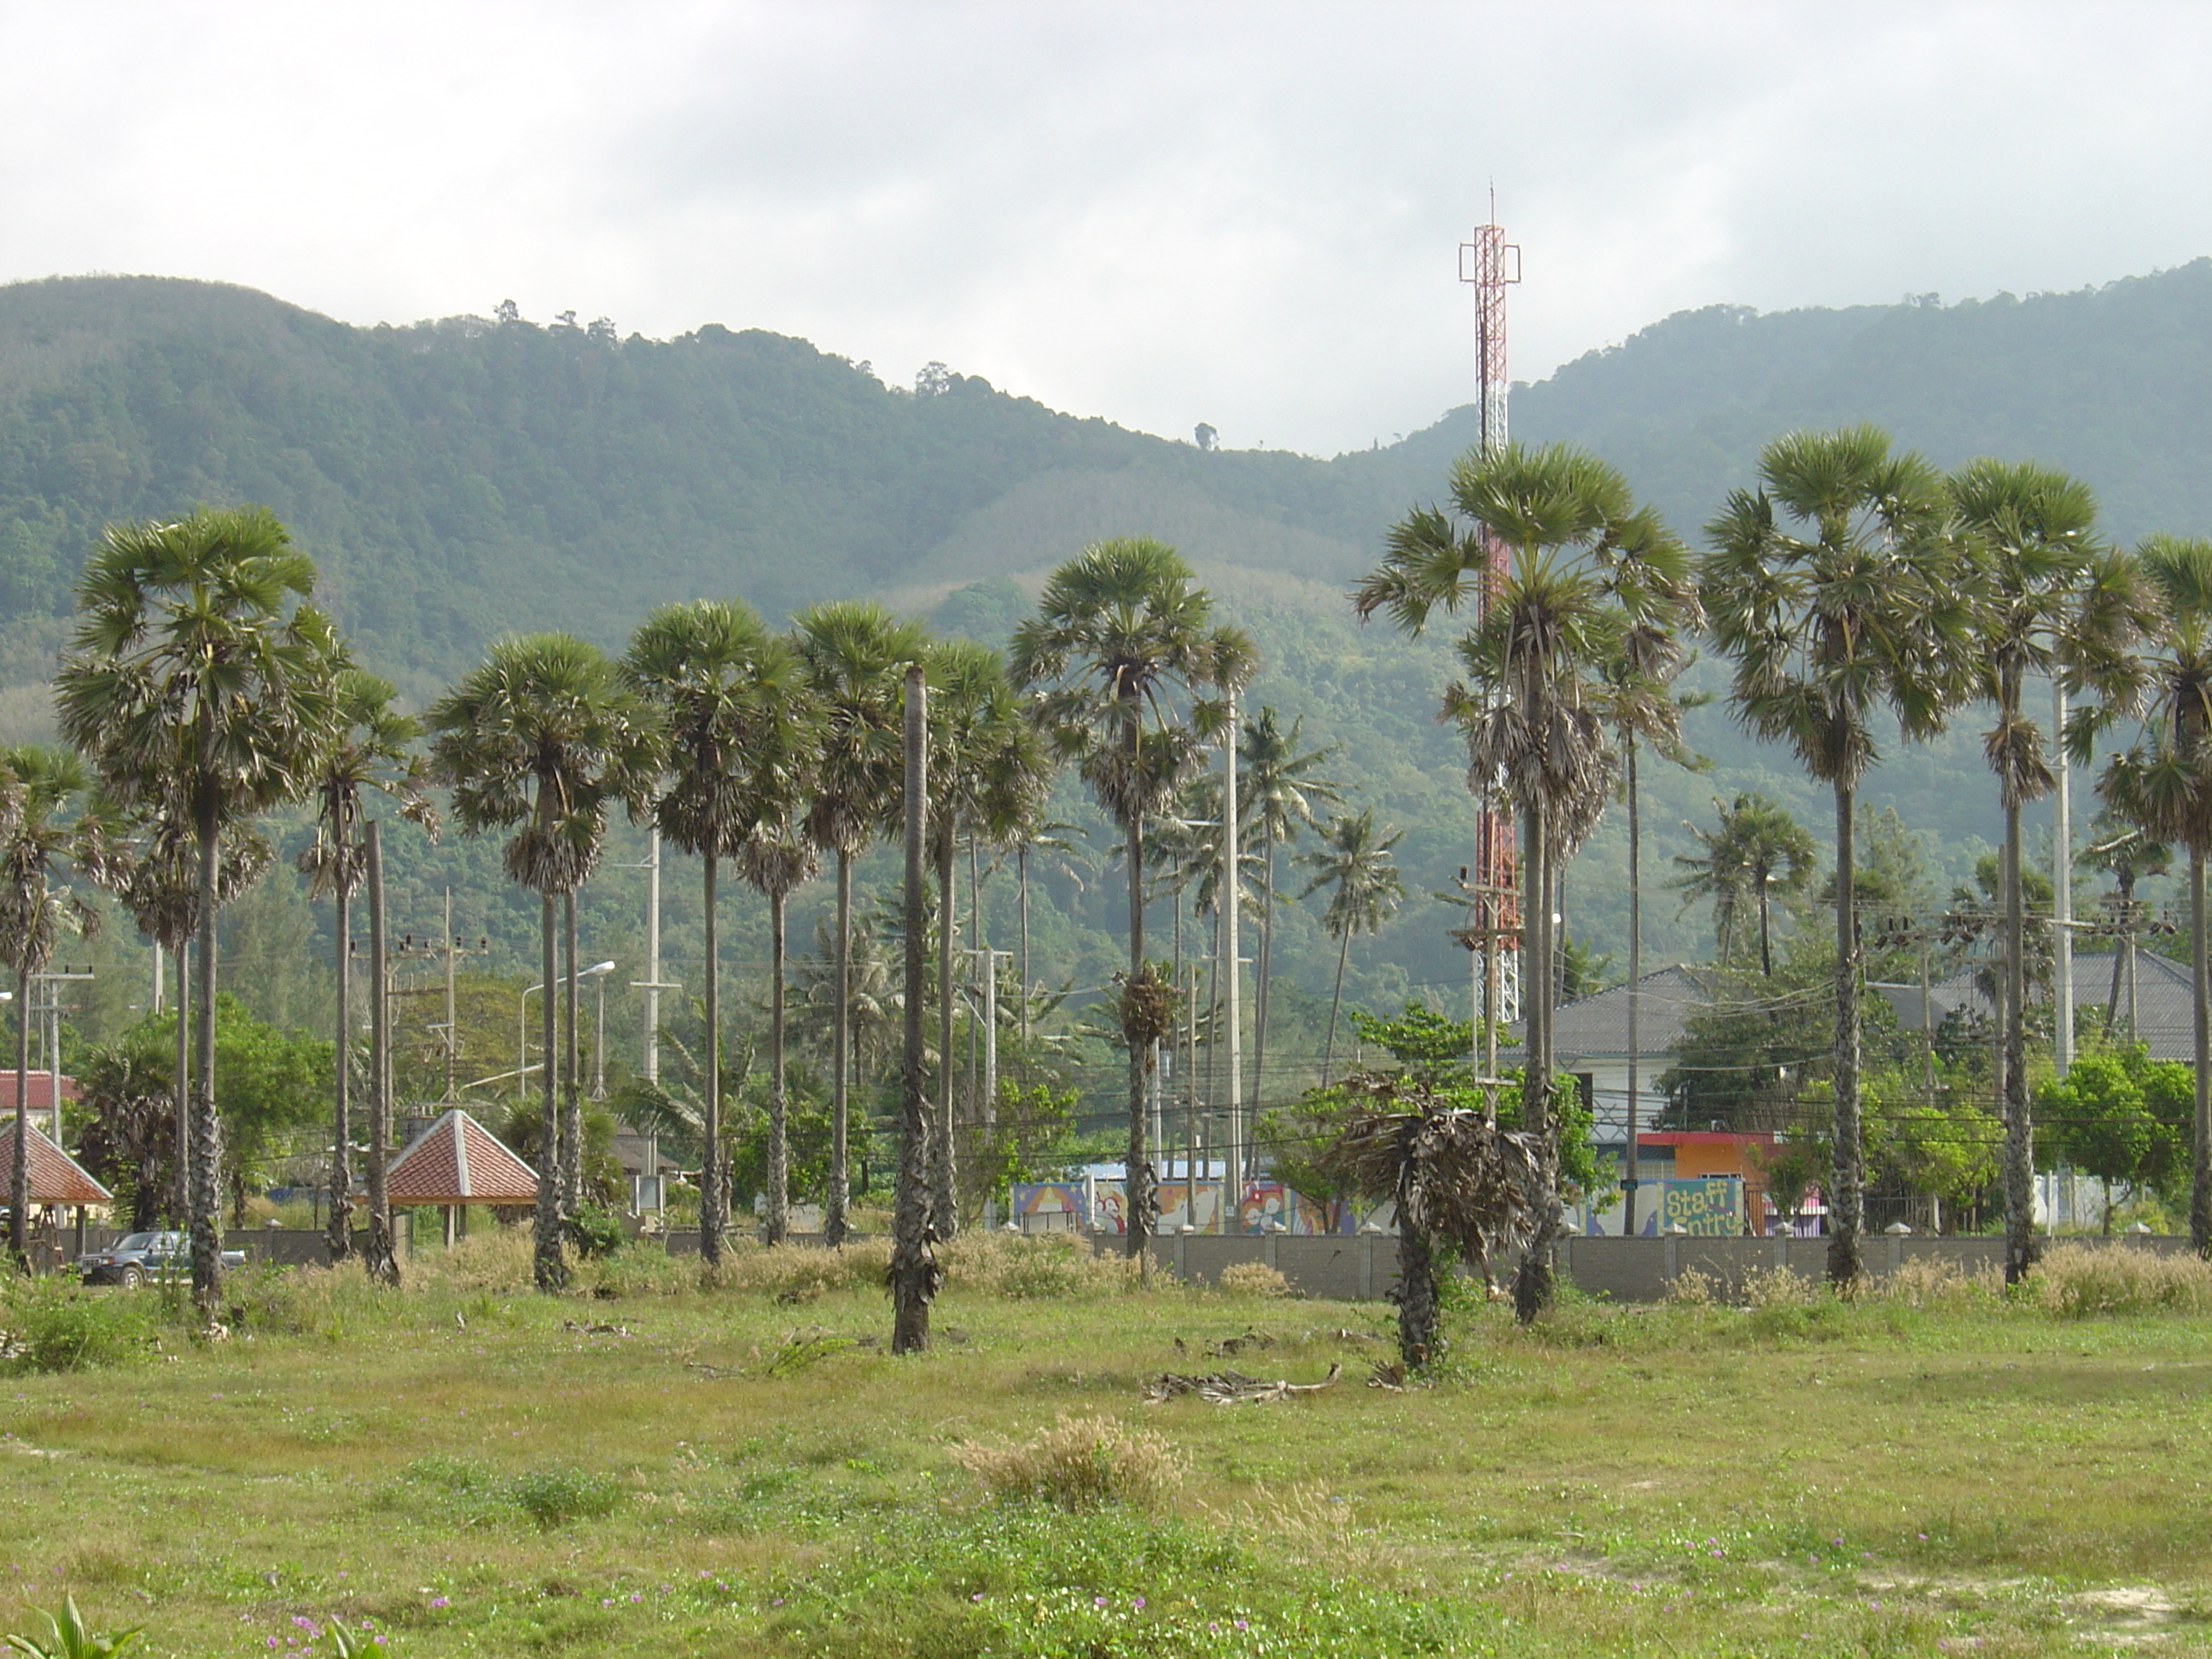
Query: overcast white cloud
(1241, 214)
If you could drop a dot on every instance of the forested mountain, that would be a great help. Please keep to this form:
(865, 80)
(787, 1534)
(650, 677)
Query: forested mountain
(459, 478)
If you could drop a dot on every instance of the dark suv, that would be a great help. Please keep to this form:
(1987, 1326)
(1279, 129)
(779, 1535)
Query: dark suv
(137, 1257)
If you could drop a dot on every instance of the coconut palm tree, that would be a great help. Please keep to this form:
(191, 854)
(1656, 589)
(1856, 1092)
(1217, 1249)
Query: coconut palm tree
(540, 738)
(1836, 592)
(1280, 787)
(1757, 854)
(742, 733)
(988, 777)
(1355, 862)
(2162, 783)
(2052, 600)
(375, 751)
(44, 822)
(1456, 1180)
(1126, 651)
(1583, 566)
(201, 686)
(855, 657)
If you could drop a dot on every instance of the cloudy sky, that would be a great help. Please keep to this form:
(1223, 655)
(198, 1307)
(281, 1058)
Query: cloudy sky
(1246, 215)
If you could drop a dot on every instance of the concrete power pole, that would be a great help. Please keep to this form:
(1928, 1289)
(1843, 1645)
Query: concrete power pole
(1230, 920)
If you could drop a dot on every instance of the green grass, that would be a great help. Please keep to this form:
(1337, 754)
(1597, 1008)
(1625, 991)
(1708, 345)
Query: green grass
(717, 1473)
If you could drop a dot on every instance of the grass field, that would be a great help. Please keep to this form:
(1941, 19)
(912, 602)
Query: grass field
(465, 1469)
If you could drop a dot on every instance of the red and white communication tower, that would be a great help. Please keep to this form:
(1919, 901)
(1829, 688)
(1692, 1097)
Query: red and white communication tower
(1490, 264)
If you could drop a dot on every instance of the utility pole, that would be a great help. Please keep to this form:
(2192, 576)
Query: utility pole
(653, 985)
(991, 959)
(50, 1036)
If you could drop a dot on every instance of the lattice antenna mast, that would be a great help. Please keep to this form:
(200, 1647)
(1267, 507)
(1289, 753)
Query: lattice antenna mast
(1490, 264)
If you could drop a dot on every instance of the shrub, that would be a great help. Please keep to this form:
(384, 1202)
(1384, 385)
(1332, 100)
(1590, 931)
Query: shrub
(552, 1496)
(50, 1324)
(641, 1267)
(597, 1230)
(2075, 1281)
(1693, 1289)
(306, 1301)
(1035, 1268)
(1254, 1279)
(1082, 1464)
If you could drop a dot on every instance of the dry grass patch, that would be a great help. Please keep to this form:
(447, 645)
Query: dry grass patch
(1254, 1279)
(2075, 1281)
(1082, 1464)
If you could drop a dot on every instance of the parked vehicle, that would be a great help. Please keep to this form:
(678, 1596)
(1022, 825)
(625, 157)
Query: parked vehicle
(137, 1257)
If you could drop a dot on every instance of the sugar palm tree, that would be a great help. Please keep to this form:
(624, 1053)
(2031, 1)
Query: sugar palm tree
(153, 868)
(1280, 785)
(1456, 1180)
(375, 751)
(855, 657)
(776, 860)
(44, 824)
(2129, 856)
(2052, 600)
(541, 738)
(987, 778)
(1583, 566)
(1836, 592)
(1355, 862)
(2162, 783)
(742, 733)
(201, 686)
(1129, 657)
(1757, 855)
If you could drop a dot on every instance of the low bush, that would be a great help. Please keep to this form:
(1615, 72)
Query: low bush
(1254, 1279)
(496, 1260)
(641, 1267)
(2076, 1281)
(1779, 1287)
(1691, 1289)
(1931, 1282)
(1082, 1464)
(52, 1324)
(554, 1497)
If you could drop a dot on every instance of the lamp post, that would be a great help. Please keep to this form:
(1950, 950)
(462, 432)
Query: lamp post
(597, 970)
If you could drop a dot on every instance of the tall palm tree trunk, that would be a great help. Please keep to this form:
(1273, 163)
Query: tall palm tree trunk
(2020, 1132)
(1335, 998)
(181, 1198)
(1533, 1284)
(1846, 1202)
(1022, 865)
(548, 1269)
(381, 1254)
(1137, 1185)
(778, 1218)
(913, 1271)
(205, 1181)
(1266, 970)
(571, 1105)
(1633, 1170)
(943, 1175)
(18, 1162)
(340, 1239)
(713, 1190)
(1418, 1308)
(2200, 1183)
(834, 1225)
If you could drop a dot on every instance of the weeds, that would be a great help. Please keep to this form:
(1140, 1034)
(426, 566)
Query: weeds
(1082, 1464)
(1254, 1279)
(49, 1324)
(2075, 1281)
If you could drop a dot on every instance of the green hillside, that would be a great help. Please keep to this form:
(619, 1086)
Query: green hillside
(459, 478)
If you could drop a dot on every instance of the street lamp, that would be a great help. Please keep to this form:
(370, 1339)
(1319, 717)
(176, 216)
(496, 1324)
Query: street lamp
(522, 1066)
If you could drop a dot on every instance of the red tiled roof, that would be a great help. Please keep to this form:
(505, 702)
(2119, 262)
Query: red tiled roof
(55, 1177)
(458, 1161)
(38, 1086)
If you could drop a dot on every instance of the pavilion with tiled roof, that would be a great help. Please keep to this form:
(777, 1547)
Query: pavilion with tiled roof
(455, 1162)
(56, 1178)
